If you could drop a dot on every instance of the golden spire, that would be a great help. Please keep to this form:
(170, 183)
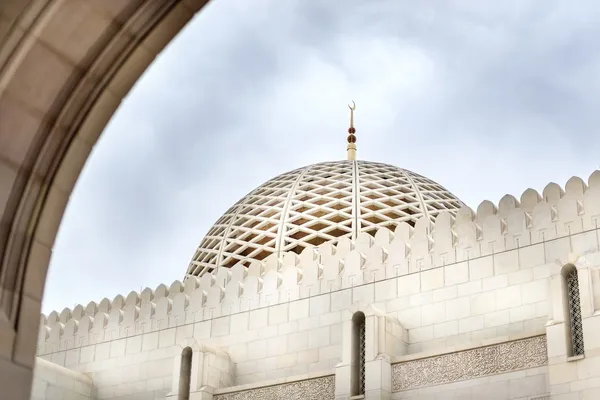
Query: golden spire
(351, 138)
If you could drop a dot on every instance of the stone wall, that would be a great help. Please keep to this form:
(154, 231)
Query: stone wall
(322, 387)
(573, 378)
(508, 370)
(53, 382)
(529, 384)
(470, 280)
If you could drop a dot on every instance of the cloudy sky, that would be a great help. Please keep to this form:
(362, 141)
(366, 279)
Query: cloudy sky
(485, 97)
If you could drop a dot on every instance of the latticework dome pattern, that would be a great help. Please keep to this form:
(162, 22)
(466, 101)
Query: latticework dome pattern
(319, 203)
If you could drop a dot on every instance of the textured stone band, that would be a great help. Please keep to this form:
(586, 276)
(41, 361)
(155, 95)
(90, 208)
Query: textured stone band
(318, 388)
(470, 364)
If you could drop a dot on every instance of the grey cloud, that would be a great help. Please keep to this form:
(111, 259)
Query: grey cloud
(483, 97)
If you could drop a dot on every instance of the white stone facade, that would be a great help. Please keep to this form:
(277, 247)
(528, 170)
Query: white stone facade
(469, 307)
(55, 382)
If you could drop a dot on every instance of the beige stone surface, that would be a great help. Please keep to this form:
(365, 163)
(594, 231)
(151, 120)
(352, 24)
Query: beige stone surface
(54, 382)
(52, 110)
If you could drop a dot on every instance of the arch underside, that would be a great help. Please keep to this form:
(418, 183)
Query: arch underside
(65, 66)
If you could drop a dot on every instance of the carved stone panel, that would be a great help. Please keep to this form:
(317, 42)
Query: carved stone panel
(318, 388)
(470, 364)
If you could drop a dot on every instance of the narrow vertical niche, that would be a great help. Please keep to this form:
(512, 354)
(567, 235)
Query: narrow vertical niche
(572, 302)
(357, 362)
(185, 374)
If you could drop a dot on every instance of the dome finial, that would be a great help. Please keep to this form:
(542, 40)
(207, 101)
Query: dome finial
(351, 138)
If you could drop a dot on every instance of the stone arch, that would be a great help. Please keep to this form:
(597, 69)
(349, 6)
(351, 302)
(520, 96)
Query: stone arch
(61, 80)
(357, 360)
(195, 380)
(572, 310)
(185, 373)
(364, 351)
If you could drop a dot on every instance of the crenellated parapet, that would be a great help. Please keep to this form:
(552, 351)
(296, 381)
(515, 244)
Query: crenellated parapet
(513, 223)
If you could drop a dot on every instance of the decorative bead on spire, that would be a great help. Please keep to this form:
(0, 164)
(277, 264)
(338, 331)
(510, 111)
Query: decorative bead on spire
(351, 138)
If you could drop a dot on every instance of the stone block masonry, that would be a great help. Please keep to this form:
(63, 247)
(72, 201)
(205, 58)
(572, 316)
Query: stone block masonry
(468, 280)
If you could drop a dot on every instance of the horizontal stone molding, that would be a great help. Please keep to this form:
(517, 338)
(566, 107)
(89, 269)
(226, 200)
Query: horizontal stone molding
(317, 388)
(451, 239)
(470, 364)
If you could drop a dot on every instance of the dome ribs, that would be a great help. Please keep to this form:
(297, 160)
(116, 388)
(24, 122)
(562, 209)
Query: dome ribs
(316, 204)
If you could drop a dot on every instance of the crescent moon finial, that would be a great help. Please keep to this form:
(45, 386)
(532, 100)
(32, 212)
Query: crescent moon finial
(351, 138)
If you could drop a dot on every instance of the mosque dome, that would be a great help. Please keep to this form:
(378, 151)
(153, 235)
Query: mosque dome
(316, 204)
